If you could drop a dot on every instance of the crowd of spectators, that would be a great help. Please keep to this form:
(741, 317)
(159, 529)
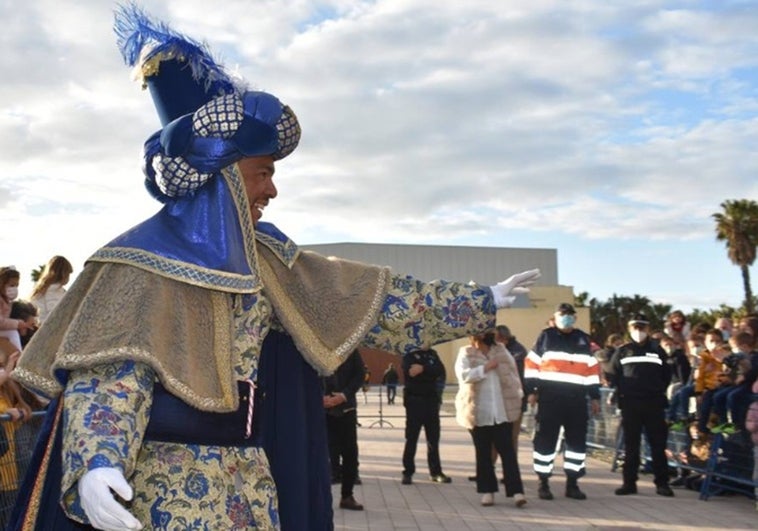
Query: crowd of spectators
(713, 368)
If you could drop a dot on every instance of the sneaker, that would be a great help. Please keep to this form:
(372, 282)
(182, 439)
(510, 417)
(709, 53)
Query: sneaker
(488, 499)
(625, 490)
(440, 478)
(519, 499)
(573, 492)
(407, 480)
(544, 492)
(664, 490)
(350, 504)
(681, 481)
(727, 429)
(472, 478)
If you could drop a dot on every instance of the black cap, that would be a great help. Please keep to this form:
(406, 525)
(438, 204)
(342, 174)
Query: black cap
(565, 307)
(639, 318)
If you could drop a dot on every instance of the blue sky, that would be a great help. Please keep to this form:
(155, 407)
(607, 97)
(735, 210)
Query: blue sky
(610, 131)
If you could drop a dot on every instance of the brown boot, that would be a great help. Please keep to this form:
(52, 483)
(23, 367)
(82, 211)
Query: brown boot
(350, 504)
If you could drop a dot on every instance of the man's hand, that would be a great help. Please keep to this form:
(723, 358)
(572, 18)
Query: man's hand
(99, 504)
(504, 292)
(335, 399)
(416, 369)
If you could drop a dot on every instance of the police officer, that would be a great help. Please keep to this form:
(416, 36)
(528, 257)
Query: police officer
(341, 421)
(422, 369)
(560, 373)
(640, 374)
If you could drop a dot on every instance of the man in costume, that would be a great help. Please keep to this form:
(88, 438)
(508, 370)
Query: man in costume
(168, 411)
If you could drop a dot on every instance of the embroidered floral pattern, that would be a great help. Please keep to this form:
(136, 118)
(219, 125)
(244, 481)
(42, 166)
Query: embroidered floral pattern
(190, 486)
(417, 314)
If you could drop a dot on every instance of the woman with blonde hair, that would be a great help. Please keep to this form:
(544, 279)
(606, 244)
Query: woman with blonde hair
(488, 402)
(49, 290)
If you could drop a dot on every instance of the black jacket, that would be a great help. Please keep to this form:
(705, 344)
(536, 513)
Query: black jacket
(390, 377)
(425, 383)
(679, 366)
(640, 372)
(347, 379)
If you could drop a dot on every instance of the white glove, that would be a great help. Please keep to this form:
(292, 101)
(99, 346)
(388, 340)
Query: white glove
(504, 292)
(101, 507)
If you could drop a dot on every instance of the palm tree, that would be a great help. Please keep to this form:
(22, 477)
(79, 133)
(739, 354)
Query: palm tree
(737, 226)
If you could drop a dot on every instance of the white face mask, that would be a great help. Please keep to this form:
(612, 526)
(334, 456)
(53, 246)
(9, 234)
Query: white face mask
(711, 345)
(638, 336)
(564, 321)
(11, 292)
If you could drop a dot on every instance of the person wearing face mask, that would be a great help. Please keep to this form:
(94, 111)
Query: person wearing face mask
(679, 365)
(560, 372)
(640, 375)
(709, 375)
(679, 409)
(10, 328)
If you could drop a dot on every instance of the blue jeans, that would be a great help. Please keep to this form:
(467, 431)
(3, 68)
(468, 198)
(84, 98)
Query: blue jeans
(679, 409)
(721, 402)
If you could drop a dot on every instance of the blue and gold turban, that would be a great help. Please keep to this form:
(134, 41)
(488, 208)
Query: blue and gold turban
(209, 119)
(204, 234)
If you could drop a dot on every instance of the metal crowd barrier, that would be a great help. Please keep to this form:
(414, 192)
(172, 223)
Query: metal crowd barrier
(727, 465)
(16, 446)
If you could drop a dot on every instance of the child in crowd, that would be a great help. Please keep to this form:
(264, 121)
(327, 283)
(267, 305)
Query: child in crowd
(27, 312)
(731, 406)
(735, 398)
(710, 375)
(12, 404)
(10, 328)
(679, 408)
(677, 327)
(679, 365)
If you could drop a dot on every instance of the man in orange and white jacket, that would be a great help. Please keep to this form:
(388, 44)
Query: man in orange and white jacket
(560, 373)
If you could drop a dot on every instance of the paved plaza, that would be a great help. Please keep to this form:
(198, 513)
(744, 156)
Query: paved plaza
(432, 506)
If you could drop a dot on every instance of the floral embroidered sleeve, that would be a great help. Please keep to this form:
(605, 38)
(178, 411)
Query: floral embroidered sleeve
(421, 314)
(105, 414)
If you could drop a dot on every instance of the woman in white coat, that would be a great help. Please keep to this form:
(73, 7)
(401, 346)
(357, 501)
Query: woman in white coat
(487, 404)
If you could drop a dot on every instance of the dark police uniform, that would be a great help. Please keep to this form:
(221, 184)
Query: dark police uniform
(422, 409)
(341, 421)
(641, 374)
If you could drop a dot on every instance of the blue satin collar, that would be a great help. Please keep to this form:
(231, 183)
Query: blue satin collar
(206, 239)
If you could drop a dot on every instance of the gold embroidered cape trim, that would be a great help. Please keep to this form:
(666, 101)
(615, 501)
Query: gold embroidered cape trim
(116, 312)
(327, 305)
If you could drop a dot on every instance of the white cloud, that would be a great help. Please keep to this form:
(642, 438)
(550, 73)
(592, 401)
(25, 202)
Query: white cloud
(423, 120)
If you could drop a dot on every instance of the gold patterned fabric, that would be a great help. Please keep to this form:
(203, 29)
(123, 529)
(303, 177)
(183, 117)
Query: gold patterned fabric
(184, 332)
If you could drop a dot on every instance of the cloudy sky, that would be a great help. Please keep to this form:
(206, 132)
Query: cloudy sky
(610, 131)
